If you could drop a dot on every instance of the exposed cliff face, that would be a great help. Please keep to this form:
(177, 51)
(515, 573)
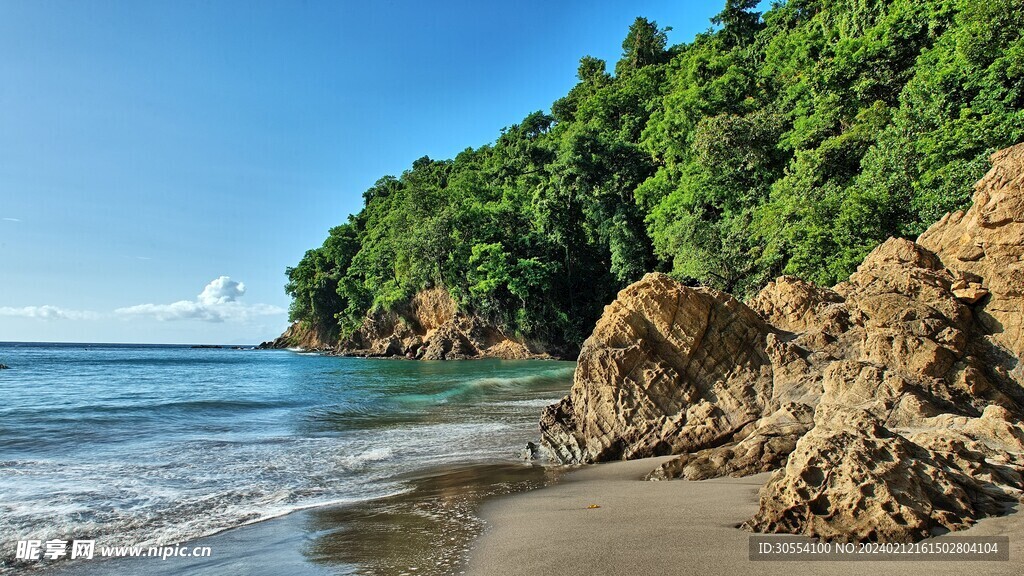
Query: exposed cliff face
(428, 327)
(889, 406)
(299, 335)
(984, 251)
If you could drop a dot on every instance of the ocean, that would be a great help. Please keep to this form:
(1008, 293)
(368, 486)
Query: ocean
(157, 445)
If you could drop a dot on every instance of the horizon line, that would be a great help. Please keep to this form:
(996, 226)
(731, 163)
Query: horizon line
(3, 342)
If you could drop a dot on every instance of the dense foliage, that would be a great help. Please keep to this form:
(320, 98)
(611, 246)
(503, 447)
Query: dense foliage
(789, 142)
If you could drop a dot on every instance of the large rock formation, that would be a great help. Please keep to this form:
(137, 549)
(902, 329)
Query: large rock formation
(668, 369)
(429, 326)
(889, 406)
(984, 251)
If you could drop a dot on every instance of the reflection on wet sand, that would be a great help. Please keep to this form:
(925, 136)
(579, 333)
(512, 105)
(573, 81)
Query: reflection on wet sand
(427, 530)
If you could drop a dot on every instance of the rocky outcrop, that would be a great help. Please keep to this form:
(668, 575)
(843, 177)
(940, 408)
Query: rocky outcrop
(983, 250)
(429, 327)
(668, 369)
(300, 335)
(889, 406)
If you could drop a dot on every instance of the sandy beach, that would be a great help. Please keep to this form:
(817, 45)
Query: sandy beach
(676, 527)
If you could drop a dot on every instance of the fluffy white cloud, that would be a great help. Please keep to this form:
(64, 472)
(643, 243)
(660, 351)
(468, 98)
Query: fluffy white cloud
(48, 312)
(221, 291)
(218, 302)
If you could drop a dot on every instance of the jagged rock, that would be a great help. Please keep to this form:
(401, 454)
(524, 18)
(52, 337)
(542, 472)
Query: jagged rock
(793, 305)
(448, 343)
(429, 327)
(971, 293)
(986, 244)
(852, 477)
(859, 481)
(762, 451)
(889, 406)
(668, 369)
(300, 335)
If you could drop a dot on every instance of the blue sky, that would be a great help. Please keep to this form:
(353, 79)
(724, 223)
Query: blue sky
(161, 163)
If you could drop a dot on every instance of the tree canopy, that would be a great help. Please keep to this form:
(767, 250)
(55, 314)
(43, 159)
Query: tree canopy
(789, 142)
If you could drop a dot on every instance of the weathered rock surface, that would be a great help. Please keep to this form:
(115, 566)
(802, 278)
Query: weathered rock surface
(984, 250)
(889, 406)
(431, 327)
(668, 369)
(428, 327)
(301, 336)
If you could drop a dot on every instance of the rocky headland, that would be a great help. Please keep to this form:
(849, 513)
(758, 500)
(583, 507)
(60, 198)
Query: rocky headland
(887, 407)
(429, 326)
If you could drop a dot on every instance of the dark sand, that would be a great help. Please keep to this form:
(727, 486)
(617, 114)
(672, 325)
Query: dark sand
(678, 527)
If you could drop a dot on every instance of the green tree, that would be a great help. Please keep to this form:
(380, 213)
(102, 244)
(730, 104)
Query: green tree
(644, 46)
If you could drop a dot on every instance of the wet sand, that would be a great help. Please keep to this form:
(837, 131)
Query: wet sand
(426, 530)
(677, 527)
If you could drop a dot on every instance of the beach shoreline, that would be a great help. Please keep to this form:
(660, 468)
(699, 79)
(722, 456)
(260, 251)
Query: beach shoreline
(426, 528)
(507, 518)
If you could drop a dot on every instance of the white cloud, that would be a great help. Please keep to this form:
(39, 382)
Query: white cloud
(218, 302)
(221, 291)
(48, 312)
(12, 219)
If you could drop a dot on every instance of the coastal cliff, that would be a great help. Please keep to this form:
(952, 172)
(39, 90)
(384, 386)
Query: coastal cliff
(889, 407)
(427, 327)
(301, 335)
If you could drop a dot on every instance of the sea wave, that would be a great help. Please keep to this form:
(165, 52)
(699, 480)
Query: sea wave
(170, 501)
(100, 411)
(206, 486)
(480, 387)
(158, 446)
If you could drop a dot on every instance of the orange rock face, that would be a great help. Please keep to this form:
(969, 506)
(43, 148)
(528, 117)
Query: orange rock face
(431, 327)
(984, 249)
(428, 327)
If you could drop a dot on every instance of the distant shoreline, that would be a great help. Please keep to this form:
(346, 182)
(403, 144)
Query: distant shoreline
(15, 343)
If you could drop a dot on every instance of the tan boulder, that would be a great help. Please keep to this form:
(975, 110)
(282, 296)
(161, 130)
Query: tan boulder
(858, 481)
(668, 369)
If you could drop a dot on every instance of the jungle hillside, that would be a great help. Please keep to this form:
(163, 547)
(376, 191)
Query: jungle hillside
(786, 142)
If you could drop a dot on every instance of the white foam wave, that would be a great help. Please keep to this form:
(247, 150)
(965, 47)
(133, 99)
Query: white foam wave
(204, 487)
(373, 455)
(531, 403)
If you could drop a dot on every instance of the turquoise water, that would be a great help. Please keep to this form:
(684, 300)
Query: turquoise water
(151, 445)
